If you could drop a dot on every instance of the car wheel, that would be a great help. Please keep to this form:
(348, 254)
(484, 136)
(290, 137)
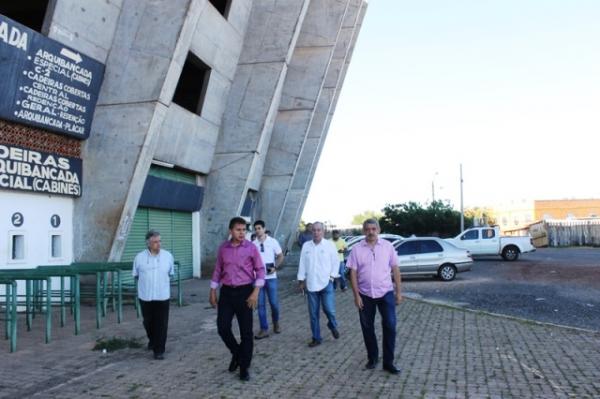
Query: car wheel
(447, 272)
(510, 253)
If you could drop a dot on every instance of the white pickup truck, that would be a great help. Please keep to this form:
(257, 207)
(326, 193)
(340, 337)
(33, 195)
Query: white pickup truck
(487, 241)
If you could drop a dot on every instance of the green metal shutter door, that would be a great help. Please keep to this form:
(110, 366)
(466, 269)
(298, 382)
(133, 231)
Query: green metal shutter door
(175, 232)
(175, 227)
(182, 242)
(136, 241)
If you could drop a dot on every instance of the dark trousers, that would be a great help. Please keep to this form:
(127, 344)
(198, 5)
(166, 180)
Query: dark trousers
(156, 323)
(232, 302)
(387, 309)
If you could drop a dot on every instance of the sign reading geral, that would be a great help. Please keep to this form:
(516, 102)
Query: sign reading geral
(41, 172)
(44, 83)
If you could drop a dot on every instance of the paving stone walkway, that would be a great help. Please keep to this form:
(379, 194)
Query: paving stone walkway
(443, 352)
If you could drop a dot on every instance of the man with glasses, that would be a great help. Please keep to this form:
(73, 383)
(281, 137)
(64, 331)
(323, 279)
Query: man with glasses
(153, 268)
(272, 257)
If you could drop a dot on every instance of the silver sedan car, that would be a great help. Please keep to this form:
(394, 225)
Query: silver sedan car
(431, 256)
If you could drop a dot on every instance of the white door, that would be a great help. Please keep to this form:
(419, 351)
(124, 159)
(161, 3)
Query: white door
(470, 241)
(490, 242)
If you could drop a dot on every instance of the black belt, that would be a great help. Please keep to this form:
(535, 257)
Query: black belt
(236, 287)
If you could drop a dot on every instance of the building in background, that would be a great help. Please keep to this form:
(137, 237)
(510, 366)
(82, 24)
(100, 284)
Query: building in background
(516, 216)
(203, 110)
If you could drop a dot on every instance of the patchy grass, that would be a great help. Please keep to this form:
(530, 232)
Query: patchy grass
(116, 343)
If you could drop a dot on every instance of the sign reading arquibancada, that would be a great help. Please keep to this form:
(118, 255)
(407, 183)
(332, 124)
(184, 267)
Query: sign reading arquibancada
(40, 172)
(45, 83)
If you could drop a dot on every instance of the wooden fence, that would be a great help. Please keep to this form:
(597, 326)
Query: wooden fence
(564, 233)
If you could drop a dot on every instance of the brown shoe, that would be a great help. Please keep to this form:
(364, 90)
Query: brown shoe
(262, 334)
(276, 328)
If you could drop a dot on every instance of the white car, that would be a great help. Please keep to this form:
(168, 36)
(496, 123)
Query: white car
(432, 256)
(392, 238)
(487, 241)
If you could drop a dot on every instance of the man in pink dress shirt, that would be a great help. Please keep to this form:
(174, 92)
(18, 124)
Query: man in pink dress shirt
(371, 263)
(240, 273)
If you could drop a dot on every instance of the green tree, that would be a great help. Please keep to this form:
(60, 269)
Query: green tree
(361, 217)
(438, 219)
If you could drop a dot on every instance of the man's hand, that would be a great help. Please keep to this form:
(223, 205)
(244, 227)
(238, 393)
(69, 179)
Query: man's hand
(252, 299)
(301, 286)
(212, 298)
(358, 302)
(398, 298)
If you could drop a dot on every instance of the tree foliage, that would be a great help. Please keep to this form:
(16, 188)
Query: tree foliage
(361, 217)
(437, 219)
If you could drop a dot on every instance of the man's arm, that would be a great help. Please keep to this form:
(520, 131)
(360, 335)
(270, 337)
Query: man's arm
(354, 280)
(353, 266)
(397, 277)
(397, 281)
(301, 269)
(215, 280)
(259, 272)
(279, 260)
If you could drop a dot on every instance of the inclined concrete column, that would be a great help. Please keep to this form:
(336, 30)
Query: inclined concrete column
(142, 68)
(271, 36)
(302, 91)
(331, 113)
(292, 209)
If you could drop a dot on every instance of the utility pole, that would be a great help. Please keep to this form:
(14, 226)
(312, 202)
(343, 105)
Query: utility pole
(462, 211)
(432, 191)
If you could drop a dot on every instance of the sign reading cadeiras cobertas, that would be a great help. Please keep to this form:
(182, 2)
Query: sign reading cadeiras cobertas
(46, 84)
(41, 172)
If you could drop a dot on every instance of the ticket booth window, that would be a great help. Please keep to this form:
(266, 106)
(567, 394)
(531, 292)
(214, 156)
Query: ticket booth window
(56, 246)
(17, 247)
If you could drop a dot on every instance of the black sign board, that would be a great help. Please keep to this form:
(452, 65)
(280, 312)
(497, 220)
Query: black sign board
(41, 172)
(44, 83)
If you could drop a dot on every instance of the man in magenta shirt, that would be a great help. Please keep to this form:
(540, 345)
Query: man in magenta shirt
(371, 263)
(240, 273)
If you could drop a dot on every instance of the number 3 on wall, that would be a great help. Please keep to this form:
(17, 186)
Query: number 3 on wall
(17, 219)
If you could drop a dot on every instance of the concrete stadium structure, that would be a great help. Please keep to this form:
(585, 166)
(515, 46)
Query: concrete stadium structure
(207, 110)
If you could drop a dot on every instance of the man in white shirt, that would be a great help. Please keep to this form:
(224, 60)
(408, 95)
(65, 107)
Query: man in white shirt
(319, 267)
(153, 268)
(272, 257)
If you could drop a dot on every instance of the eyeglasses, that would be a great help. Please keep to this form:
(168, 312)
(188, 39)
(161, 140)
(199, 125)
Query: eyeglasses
(262, 247)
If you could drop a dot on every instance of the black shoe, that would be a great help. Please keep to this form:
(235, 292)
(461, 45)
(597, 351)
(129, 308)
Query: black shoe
(314, 343)
(390, 368)
(244, 375)
(335, 333)
(371, 364)
(159, 356)
(234, 364)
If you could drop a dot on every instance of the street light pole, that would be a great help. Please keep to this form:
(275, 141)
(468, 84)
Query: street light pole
(462, 211)
(433, 187)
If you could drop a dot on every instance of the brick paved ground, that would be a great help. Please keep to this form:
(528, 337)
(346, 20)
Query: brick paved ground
(444, 353)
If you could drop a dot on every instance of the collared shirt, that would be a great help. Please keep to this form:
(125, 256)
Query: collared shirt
(269, 250)
(373, 266)
(238, 265)
(304, 237)
(340, 243)
(318, 264)
(153, 273)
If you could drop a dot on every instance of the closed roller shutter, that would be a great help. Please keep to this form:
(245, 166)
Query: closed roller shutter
(175, 228)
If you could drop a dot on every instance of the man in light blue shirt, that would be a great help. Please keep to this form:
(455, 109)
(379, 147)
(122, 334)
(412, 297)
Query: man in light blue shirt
(153, 268)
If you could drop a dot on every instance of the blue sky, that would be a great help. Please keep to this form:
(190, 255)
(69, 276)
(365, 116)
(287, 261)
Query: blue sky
(511, 89)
